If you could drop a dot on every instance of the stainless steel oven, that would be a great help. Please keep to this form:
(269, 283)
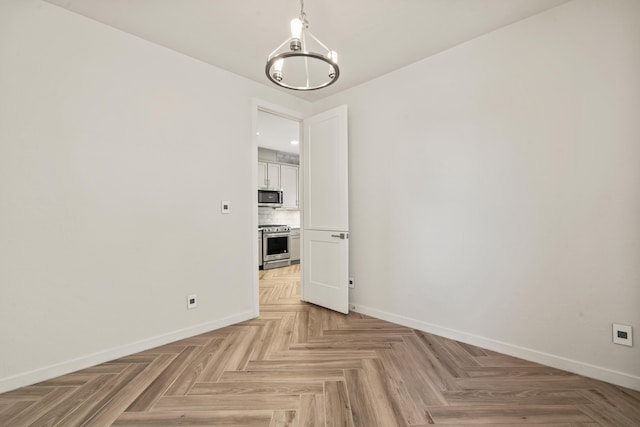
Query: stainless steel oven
(275, 246)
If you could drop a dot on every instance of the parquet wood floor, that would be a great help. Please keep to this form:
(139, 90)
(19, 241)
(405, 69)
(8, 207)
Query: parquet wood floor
(301, 365)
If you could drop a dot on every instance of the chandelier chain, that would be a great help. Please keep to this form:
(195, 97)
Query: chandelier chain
(303, 16)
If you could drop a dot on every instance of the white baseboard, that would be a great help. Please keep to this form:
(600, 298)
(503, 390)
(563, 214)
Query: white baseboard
(574, 366)
(82, 362)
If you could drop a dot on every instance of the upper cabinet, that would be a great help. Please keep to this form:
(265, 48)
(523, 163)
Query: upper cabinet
(268, 175)
(290, 186)
(262, 175)
(280, 176)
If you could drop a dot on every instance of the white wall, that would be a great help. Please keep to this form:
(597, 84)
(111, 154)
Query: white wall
(114, 156)
(495, 190)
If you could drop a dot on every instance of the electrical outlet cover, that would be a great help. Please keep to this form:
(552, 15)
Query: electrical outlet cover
(622, 334)
(192, 301)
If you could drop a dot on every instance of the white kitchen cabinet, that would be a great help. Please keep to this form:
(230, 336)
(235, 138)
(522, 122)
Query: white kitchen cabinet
(262, 175)
(268, 175)
(290, 186)
(294, 245)
(273, 175)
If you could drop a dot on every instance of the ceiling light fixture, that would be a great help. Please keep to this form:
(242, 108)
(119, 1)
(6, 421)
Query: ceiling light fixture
(296, 63)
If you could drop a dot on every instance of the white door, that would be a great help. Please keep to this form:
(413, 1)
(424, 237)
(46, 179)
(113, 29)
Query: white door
(325, 225)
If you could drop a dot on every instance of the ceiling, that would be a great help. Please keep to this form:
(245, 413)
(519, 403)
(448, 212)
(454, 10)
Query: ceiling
(277, 132)
(372, 37)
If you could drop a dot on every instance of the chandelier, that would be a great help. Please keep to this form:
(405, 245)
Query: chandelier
(297, 63)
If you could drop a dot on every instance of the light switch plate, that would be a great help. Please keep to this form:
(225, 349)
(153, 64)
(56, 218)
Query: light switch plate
(225, 207)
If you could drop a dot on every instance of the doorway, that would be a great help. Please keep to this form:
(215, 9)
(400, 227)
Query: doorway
(277, 134)
(324, 212)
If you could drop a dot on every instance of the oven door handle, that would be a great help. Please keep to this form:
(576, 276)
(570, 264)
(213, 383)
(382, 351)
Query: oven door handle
(283, 234)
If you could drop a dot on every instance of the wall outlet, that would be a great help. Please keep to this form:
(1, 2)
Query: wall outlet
(622, 334)
(225, 207)
(192, 301)
(352, 282)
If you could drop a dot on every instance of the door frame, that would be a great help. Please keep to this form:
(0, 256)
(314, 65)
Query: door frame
(287, 113)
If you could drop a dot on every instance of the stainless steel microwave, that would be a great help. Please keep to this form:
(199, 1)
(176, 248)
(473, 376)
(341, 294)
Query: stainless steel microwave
(271, 198)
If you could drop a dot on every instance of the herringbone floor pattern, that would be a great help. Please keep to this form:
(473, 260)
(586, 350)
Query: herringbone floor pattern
(301, 365)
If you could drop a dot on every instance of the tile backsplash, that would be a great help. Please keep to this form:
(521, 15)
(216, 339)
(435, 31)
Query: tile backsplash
(267, 215)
